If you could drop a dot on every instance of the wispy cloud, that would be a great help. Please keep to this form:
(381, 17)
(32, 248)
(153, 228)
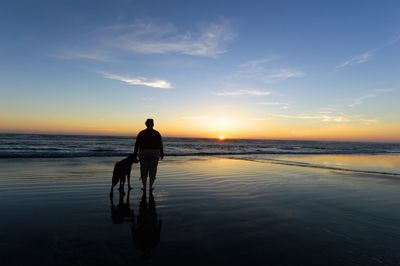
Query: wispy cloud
(327, 111)
(283, 74)
(369, 95)
(241, 92)
(261, 118)
(361, 99)
(139, 81)
(257, 69)
(198, 117)
(359, 59)
(215, 122)
(147, 99)
(256, 64)
(332, 118)
(89, 54)
(321, 117)
(149, 37)
(209, 40)
(283, 105)
(367, 56)
(395, 39)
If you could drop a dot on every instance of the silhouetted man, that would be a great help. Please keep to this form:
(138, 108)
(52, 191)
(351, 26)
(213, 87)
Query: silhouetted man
(150, 148)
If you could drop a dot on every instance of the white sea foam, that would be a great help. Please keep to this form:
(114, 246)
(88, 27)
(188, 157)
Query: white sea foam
(61, 146)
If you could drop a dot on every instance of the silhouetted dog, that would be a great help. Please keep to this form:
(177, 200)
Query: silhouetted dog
(122, 169)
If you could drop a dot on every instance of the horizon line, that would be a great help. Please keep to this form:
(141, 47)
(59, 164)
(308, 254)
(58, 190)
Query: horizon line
(188, 137)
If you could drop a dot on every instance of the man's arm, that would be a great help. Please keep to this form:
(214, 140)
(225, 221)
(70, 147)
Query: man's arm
(161, 147)
(135, 151)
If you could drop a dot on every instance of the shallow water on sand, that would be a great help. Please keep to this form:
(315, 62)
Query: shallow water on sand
(210, 210)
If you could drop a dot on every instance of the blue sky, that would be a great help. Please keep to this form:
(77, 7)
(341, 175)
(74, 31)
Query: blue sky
(270, 69)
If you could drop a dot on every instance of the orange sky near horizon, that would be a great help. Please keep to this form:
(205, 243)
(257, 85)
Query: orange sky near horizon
(207, 127)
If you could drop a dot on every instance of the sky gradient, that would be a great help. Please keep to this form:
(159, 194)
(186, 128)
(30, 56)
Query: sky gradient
(241, 69)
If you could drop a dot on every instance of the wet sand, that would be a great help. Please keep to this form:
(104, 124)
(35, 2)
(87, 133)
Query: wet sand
(209, 210)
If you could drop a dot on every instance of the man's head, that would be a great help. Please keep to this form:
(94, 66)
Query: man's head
(149, 123)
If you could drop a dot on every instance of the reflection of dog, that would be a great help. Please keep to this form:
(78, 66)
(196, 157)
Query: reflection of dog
(122, 169)
(123, 212)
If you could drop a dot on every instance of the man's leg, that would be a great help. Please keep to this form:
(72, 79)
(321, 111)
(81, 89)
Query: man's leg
(129, 180)
(153, 172)
(144, 169)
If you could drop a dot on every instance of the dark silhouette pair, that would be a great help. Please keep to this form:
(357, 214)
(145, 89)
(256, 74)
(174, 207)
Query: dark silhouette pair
(149, 149)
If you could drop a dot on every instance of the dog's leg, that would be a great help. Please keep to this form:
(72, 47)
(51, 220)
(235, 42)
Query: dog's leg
(112, 188)
(129, 179)
(121, 184)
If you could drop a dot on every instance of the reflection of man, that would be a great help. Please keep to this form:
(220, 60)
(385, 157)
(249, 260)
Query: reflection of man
(150, 147)
(146, 227)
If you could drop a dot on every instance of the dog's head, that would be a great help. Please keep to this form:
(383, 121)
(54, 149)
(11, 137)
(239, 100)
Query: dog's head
(131, 159)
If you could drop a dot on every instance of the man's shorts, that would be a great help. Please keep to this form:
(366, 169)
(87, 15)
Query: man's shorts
(148, 162)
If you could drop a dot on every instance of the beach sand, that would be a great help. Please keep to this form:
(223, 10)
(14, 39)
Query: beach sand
(211, 210)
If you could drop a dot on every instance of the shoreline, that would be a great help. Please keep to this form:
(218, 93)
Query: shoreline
(329, 162)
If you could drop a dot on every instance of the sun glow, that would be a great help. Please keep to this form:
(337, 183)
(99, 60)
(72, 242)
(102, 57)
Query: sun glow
(221, 138)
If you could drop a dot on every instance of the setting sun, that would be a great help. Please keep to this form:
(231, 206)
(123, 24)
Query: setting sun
(221, 138)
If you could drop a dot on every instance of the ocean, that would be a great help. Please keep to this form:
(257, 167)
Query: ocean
(70, 146)
(232, 202)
